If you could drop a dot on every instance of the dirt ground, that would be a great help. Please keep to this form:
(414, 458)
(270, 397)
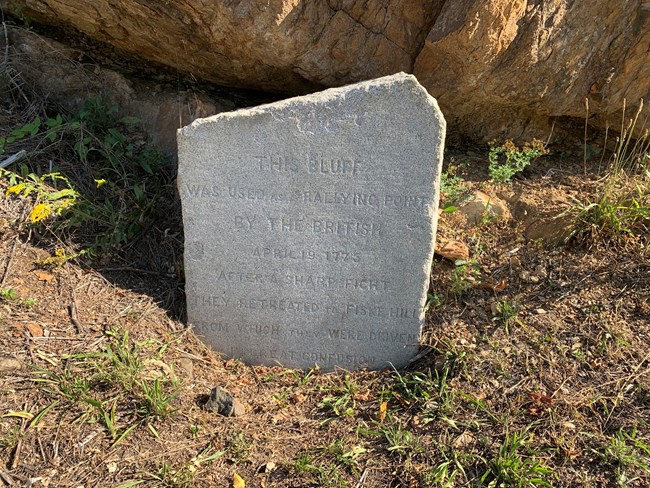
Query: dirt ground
(534, 368)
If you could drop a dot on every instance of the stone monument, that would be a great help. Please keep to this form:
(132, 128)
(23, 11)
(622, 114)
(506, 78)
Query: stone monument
(310, 225)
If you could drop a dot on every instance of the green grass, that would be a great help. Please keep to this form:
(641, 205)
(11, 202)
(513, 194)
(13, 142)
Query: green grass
(513, 468)
(620, 209)
(340, 400)
(627, 454)
(112, 387)
(508, 314)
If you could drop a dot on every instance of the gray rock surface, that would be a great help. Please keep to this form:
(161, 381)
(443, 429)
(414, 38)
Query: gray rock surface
(310, 225)
(222, 402)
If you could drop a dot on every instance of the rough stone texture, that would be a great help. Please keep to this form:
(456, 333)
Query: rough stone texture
(499, 68)
(289, 46)
(481, 207)
(222, 402)
(512, 68)
(310, 225)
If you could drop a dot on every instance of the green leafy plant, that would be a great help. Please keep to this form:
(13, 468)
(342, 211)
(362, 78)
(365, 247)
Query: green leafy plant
(53, 194)
(508, 313)
(507, 159)
(512, 468)
(400, 441)
(319, 473)
(434, 300)
(107, 187)
(341, 399)
(344, 455)
(627, 453)
(181, 476)
(8, 294)
(453, 188)
(463, 277)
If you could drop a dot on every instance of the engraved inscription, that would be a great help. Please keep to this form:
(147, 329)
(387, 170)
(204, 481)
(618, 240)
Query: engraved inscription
(297, 305)
(323, 358)
(324, 197)
(352, 228)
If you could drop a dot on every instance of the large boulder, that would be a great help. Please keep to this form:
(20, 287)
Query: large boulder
(514, 68)
(287, 46)
(499, 68)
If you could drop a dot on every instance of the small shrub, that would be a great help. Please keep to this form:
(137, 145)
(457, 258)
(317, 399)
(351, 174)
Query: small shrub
(507, 159)
(104, 190)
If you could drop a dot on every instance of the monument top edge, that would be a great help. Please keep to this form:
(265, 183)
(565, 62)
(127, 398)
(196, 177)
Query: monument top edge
(401, 79)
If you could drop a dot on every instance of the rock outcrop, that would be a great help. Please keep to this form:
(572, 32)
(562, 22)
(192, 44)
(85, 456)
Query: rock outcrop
(499, 68)
(515, 67)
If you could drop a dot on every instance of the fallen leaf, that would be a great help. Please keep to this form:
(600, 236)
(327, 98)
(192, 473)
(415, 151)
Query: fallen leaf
(238, 481)
(35, 330)
(495, 287)
(362, 396)
(541, 398)
(383, 406)
(44, 276)
(298, 398)
(246, 381)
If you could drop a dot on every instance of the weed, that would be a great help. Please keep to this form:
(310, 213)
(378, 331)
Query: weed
(463, 277)
(67, 384)
(53, 194)
(8, 294)
(513, 469)
(157, 398)
(111, 381)
(507, 159)
(341, 401)
(626, 453)
(452, 188)
(344, 456)
(400, 441)
(239, 447)
(113, 184)
(434, 300)
(322, 474)
(444, 473)
(413, 390)
(10, 437)
(508, 312)
(182, 476)
(621, 208)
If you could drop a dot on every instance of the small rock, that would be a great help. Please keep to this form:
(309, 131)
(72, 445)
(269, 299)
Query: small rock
(9, 364)
(187, 365)
(223, 403)
(238, 408)
(483, 206)
(451, 249)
